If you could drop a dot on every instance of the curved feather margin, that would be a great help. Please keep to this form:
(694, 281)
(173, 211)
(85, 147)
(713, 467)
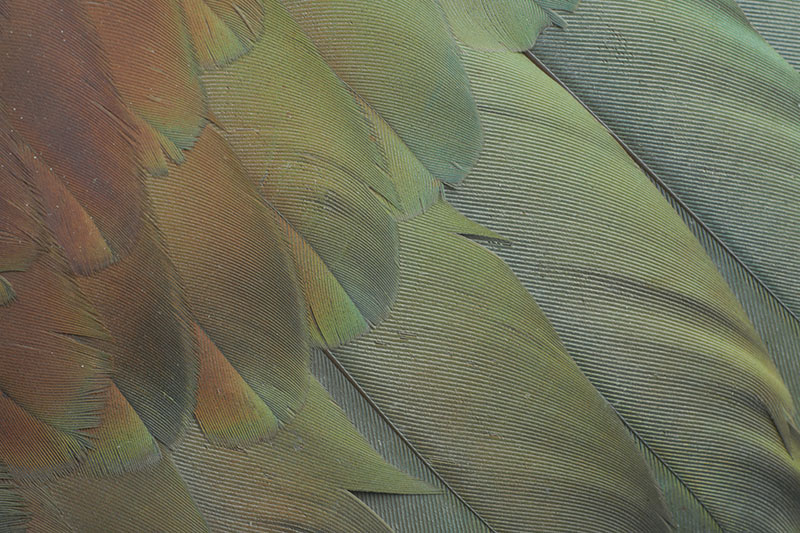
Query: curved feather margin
(55, 500)
(50, 380)
(304, 142)
(715, 113)
(502, 25)
(385, 50)
(297, 481)
(239, 279)
(779, 23)
(198, 487)
(140, 301)
(471, 371)
(634, 297)
(70, 116)
(154, 67)
(223, 30)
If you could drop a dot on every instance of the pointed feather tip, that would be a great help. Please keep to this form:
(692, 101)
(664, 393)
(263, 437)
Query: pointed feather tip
(228, 411)
(7, 294)
(503, 25)
(170, 149)
(34, 451)
(121, 443)
(556, 19)
(414, 186)
(361, 467)
(215, 43)
(338, 325)
(550, 6)
(787, 429)
(81, 241)
(332, 315)
(450, 219)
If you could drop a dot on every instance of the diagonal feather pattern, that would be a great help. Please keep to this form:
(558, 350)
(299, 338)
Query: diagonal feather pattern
(654, 330)
(724, 140)
(214, 197)
(778, 23)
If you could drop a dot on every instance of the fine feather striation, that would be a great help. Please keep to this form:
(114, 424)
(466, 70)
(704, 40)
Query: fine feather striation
(222, 30)
(71, 115)
(205, 292)
(778, 22)
(287, 225)
(181, 305)
(323, 184)
(50, 379)
(714, 111)
(296, 482)
(502, 25)
(236, 270)
(140, 302)
(59, 408)
(471, 371)
(152, 499)
(496, 25)
(228, 411)
(153, 67)
(638, 304)
(401, 48)
(13, 516)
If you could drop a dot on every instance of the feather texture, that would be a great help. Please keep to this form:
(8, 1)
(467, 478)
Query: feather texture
(303, 265)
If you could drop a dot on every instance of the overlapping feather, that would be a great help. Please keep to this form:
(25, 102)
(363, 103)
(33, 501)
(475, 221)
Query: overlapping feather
(197, 194)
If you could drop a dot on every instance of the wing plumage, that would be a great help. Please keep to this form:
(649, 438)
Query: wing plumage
(200, 198)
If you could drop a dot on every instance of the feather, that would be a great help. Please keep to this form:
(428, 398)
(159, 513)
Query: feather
(73, 118)
(724, 139)
(301, 265)
(154, 67)
(494, 403)
(778, 23)
(663, 340)
(13, 517)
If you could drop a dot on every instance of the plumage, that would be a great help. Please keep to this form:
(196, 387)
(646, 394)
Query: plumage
(352, 266)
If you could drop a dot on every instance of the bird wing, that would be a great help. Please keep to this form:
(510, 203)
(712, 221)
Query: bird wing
(314, 265)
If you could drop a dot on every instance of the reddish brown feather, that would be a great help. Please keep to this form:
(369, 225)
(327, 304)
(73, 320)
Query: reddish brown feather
(68, 221)
(30, 448)
(50, 379)
(228, 411)
(234, 261)
(56, 88)
(153, 67)
(140, 302)
(20, 229)
(154, 499)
